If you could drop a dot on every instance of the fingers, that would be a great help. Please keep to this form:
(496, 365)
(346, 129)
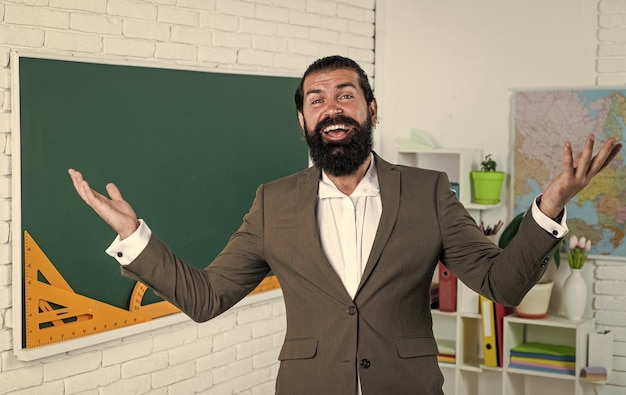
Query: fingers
(569, 163)
(585, 166)
(114, 192)
(91, 197)
(614, 151)
(584, 158)
(80, 184)
(607, 153)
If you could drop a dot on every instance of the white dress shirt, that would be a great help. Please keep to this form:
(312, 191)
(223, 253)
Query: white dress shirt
(348, 224)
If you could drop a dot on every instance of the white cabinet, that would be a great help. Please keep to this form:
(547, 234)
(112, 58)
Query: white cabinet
(551, 330)
(469, 376)
(457, 163)
(462, 329)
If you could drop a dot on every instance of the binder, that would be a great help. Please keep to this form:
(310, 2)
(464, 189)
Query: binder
(468, 300)
(488, 319)
(500, 312)
(447, 289)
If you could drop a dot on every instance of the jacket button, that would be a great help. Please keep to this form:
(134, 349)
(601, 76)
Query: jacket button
(365, 363)
(352, 310)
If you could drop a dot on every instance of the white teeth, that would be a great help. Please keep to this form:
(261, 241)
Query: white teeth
(334, 127)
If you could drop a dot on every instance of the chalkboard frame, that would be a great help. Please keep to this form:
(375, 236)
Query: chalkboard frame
(94, 224)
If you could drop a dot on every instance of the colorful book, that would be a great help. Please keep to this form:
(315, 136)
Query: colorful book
(552, 358)
(446, 346)
(542, 361)
(544, 356)
(446, 358)
(571, 372)
(544, 350)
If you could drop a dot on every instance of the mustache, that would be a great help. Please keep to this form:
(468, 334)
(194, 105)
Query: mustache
(336, 120)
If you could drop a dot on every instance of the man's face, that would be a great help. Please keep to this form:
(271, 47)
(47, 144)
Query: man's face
(337, 121)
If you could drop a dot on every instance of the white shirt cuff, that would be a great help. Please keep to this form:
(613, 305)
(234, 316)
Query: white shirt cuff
(558, 230)
(125, 251)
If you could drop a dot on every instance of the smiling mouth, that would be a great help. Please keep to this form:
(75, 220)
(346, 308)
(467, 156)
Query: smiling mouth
(337, 131)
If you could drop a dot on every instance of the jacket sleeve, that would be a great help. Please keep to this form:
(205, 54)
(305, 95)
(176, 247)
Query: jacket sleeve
(205, 293)
(503, 275)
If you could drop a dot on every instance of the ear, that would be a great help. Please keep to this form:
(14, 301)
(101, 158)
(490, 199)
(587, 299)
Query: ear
(301, 120)
(374, 112)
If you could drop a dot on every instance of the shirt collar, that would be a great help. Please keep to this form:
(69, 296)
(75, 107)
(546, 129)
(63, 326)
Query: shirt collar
(367, 187)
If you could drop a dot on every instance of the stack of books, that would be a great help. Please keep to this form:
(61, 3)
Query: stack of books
(543, 357)
(447, 351)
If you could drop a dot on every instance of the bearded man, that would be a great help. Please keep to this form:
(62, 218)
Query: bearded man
(354, 242)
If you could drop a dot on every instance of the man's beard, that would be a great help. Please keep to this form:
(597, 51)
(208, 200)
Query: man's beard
(340, 158)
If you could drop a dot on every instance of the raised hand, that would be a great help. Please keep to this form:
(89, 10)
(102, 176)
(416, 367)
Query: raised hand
(114, 211)
(577, 174)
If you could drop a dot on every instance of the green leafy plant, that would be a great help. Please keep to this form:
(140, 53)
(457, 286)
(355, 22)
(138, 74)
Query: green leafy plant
(511, 230)
(488, 164)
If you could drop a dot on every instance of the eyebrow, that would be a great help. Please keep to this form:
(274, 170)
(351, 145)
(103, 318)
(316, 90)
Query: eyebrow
(340, 86)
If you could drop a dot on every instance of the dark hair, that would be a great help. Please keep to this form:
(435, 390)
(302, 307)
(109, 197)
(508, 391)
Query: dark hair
(333, 63)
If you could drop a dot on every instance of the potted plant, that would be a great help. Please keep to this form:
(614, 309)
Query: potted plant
(536, 302)
(574, 287)
(487, 182)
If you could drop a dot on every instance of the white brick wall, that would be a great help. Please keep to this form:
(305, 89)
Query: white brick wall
(235, 353)
(609, 288)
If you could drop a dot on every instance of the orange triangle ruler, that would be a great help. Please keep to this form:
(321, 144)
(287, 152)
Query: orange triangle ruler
(54, 312)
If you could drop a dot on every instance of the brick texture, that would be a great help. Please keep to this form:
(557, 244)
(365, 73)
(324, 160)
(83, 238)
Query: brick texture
(236, 353)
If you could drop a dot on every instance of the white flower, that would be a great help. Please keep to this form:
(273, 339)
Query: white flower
(573, 242)
(577, 253)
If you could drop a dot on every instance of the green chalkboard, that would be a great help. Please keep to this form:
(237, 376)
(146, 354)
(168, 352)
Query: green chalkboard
(186, 148)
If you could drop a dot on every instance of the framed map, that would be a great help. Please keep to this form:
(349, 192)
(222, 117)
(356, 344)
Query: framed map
(542, 122)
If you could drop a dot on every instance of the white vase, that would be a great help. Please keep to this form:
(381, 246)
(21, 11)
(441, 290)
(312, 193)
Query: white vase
(574, 295)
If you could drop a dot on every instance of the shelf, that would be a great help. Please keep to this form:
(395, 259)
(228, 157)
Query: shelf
(469, 375)
(530, 372)
(456, 163)
(476, 206)
(473, 316)
(463, 328)
(549, 330)
(443, 313)
(493, 368)
(472, 367)
(550, 320)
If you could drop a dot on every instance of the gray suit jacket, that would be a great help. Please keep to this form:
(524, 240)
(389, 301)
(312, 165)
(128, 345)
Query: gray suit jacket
(386, 331)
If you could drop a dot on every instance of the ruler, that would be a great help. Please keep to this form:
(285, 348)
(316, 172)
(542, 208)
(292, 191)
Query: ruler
(160, 309)
(268, 283)
(55, 313)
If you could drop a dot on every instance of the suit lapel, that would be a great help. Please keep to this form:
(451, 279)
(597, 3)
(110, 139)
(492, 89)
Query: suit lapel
(320, 268)
(389, 183)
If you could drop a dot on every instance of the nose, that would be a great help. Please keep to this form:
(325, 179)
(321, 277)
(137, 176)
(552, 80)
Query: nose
(334, 109)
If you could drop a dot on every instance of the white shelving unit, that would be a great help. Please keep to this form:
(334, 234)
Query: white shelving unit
(468, 375)
(457, 163)
(552, 330)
